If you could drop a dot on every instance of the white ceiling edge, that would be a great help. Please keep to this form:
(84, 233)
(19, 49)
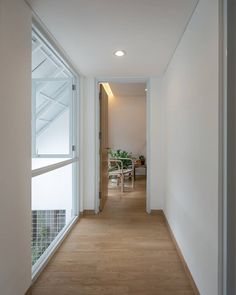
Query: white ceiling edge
(180, 39)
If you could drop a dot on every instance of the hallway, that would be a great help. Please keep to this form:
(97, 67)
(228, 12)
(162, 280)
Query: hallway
(123, 250)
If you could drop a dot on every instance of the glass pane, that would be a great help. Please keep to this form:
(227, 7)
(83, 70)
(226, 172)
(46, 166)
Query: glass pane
(52, 103)
(52, 207)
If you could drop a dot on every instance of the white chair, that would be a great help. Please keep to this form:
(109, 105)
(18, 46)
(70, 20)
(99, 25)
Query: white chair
(117, 169)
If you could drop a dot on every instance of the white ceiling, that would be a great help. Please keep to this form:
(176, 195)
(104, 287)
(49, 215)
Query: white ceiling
(128, 89)
(91, 30)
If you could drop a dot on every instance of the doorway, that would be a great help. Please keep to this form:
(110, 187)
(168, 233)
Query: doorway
(123, 140)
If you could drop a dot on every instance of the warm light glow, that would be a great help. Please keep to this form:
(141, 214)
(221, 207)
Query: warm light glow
(108, 90)
(119, 53)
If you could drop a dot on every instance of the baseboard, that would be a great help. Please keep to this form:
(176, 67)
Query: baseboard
(87, 212)
(157, 212)
(187, 271)
(28, 292)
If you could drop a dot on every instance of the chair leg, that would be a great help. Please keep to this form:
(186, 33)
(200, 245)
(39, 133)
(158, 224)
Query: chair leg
(122, 183)
(132, 177)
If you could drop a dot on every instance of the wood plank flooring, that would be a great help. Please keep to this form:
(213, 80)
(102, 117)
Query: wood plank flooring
(121, 251)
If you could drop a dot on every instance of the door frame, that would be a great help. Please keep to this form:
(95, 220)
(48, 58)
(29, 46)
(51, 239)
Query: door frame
(224, 256)
(97, 126)
(103, 134)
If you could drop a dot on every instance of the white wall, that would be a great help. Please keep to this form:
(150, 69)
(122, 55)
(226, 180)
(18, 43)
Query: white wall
(191, 97)
(127, 124)
(156, 150)
(89, 144)
(15, 153)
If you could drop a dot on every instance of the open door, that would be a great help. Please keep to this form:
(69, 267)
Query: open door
(103, 135)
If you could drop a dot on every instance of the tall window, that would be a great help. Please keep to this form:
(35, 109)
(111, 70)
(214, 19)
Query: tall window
(54, 162)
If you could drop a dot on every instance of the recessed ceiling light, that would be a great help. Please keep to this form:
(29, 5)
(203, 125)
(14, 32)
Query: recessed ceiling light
(119, 53)
(146, 89)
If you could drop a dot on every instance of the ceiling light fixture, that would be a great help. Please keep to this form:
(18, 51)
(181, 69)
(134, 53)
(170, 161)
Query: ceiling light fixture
(119, 53)
(108, 89)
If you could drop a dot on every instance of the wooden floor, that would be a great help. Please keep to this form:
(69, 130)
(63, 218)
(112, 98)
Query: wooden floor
(121, 251)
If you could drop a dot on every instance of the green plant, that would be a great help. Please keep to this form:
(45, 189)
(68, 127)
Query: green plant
(142, 159)
(121, 154)
(41, 243)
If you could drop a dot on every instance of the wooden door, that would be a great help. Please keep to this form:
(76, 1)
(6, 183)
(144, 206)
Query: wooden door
(103, 98)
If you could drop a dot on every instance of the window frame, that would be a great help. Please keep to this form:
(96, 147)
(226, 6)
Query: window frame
(72, 119)
(45, 38)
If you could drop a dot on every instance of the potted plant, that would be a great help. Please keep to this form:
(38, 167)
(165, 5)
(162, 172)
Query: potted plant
(121, 154)
(142, 159)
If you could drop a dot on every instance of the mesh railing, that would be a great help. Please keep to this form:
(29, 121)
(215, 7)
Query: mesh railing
(46, 225)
